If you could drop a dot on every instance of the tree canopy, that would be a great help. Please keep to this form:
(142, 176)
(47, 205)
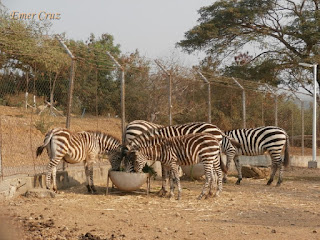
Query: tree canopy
(286, 32)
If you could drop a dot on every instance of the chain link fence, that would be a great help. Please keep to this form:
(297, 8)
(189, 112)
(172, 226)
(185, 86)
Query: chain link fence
(34, 101)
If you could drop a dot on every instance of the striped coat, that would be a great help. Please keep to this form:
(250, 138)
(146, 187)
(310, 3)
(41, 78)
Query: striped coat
(61, 144)
(257, 141)
(145, 129)
(181, 150)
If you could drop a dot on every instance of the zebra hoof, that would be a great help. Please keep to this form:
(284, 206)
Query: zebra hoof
(200, 197)
(224, 180)
(238, 182)
(269, 182)
(162, 193)
(93, 189)
(171, 197)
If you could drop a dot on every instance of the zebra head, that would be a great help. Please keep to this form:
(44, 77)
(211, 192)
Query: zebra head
(115, 159)
(134, 161)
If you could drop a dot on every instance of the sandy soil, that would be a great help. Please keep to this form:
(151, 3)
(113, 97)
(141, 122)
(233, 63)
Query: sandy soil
(250, 211)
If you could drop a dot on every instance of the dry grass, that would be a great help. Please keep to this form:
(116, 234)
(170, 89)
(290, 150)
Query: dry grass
(22, 131)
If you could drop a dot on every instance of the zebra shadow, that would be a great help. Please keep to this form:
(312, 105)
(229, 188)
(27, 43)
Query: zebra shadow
(115, 191)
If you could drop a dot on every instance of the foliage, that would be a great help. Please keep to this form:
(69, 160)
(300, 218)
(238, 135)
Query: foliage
(150, 170)
(35, 62)
(286, 32)
(43, 124)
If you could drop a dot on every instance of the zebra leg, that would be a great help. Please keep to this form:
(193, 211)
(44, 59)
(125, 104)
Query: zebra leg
(213, 181)
(225, 176)
(171, 179)
(54, 179)
(273, 172)
(48, 177)
(238, 167)
(230, 157)
(176, 179)
(208, 172)
(219, 180)
(52, 169)
(281, 168)
(89, 175)
(165, 179)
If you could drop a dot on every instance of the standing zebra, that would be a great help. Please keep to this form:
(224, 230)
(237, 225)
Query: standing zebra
(61, 144)
(180, 150)
(137, 127)
(140, 127)
(257, 141)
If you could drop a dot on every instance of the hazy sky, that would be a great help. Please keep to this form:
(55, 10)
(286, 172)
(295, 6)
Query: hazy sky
(153, 27)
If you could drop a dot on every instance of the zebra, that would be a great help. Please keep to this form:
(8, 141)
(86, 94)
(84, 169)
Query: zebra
(180, 150)
(257, 141)
(139, 127)
(61, 144)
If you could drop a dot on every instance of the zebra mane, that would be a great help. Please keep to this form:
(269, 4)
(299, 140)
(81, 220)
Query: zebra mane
(150, 138)
(97, 133)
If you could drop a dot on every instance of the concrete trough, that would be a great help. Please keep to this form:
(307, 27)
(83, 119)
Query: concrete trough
(193, 171)
(128, 182)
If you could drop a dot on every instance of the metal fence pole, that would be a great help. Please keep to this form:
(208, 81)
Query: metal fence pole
(302, 121)
(313, 163)
(302, 128)
(209, 95)
(169, 90)
(275, 104)
(71, 86)
(243, 102)
(71, 82)
(123, 114)
(1, 169)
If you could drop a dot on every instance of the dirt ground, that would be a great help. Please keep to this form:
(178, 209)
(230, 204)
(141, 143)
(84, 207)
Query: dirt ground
(249, 211)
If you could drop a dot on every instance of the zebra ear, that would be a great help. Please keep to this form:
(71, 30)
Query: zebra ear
(125, 150)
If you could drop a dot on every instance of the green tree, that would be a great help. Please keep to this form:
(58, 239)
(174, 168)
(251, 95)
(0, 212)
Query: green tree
(287, 32)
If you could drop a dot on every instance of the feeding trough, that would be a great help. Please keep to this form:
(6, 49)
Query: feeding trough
(195, 171)
(128, 182)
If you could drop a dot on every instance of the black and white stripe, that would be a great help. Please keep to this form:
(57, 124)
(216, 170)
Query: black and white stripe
(138, 127)
(257, 141)
(145, 130)
(180, 150)
(61, 144)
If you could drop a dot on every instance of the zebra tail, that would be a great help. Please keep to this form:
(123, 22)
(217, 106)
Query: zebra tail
(235, 143)
(47, 139)
(222, 165)
(286, 154)
(39, 150)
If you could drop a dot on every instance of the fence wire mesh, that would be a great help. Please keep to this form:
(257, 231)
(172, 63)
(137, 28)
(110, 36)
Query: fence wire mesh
(34, 99)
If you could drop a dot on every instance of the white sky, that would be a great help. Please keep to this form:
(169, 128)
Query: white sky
(151, 26)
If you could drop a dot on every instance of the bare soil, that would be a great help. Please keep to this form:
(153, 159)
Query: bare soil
(249, 211)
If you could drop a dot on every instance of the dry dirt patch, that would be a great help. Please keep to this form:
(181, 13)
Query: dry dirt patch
(250, 211)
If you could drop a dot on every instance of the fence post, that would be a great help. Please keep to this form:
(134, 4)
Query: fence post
(70, 92)
(243, 102)
(276, 104)
(209, 94)
(169, 89)
(71, 82)
(123, 113)
(1, 169)
(302, 122)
